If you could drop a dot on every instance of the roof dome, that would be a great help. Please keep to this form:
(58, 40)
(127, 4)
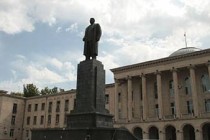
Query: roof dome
(185, 51)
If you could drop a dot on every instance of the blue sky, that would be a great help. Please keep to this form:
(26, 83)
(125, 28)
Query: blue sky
(41, 40)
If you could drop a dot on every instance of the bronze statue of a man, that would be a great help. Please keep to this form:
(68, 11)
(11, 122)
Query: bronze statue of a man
(91, 38)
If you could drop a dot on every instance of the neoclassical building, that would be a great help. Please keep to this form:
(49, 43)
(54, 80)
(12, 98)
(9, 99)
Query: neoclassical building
(166, 99)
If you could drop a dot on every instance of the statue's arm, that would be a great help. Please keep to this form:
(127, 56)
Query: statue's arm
(84, 38)
(99, 32)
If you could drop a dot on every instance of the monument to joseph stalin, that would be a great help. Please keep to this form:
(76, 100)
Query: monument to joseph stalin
(89, 120)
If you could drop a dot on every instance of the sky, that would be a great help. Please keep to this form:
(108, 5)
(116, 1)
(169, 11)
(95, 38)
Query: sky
(41, 40)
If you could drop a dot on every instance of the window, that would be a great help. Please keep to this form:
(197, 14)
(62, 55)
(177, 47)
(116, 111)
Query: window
(120, 113)
(141, 111)
(190, 107)
(207, 105)
(66, 105)
(36, 107)
(29, 108)
(173, 109)
(119, 97)
(171, 88)
(43, 107)
(58, 106)
(13, 120)
(42, 120)
(157, 110)
(205, 82)
(132, 95)
(155, 90)
(28, 120)
(35, 118)
(27, 133)
(57, 118)
(14, 110)
(11, 134)
(187, 86)
(50, 107)
(107, 98)
(65, 119)
(49, 119)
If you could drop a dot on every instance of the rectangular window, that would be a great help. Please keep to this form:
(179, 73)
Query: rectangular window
(190, 107)
(141, 111)
(13, 120)
(120, 113)
(29, 108)
(65, 119)
(66, 105)
(14, 110)
(27, 133)
(50, 107)
(58, 106)
(173, 110)
(107, 98)
(155, 90)
(28, 120)
(171, 88)
(119, 97)
(207, 105)
(49, 119)
(157, 110)
(36, 107)
(42, 120)
(57, 118)
(11, 134)
(35, 119)
(43, 107)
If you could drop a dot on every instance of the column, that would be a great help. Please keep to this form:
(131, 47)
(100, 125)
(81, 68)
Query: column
(162, 135)
(159, 89)
(176, 92)
(179, 135)
(198, 134)
(144, 97)
(145, 135)
(194, 90)
(116, 104)
(129, 105)
(208, 64)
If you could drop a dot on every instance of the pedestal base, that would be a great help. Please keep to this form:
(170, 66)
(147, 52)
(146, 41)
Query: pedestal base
(89, 120)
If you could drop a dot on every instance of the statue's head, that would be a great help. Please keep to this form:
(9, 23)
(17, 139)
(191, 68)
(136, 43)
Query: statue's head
(92, 21)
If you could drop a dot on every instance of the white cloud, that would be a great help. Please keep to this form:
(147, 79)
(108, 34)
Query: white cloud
(140, 30)
(72, 28)
(51, 71)
(58, 29)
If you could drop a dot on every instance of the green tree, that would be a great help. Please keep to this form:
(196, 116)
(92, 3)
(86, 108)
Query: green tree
(46, 91)
(30, 90)
(54, 90)
(16, 94)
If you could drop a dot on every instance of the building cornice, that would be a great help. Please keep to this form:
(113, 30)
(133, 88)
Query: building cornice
(159, 61)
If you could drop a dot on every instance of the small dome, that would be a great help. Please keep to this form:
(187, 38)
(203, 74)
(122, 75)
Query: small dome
(185, 51)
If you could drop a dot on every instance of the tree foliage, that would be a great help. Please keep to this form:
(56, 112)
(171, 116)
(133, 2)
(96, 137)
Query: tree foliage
(30, 90)
(17, 94)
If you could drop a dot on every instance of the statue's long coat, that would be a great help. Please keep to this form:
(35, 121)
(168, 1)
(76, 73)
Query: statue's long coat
(92, 36)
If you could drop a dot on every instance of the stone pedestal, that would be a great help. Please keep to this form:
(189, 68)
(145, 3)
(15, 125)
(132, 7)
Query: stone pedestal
(90, 98)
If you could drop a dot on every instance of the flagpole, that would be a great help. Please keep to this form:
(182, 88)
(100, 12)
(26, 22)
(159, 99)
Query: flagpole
(185, 36)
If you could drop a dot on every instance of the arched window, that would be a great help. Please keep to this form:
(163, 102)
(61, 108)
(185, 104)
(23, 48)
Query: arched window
(187, 86)
(205, 82)
(171, 88)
